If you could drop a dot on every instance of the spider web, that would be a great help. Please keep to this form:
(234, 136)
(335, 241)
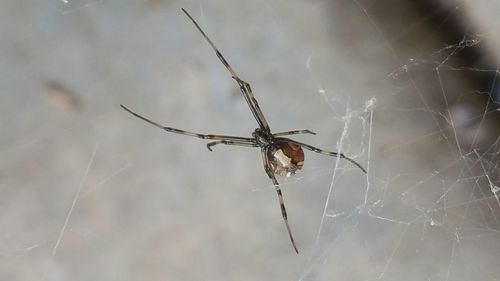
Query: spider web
(409, 91)
(440, 224)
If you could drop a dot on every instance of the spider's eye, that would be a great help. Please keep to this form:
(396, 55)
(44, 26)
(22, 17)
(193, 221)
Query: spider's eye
(286, 159)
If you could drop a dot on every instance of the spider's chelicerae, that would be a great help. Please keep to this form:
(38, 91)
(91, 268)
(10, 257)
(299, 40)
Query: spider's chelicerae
(280, 156)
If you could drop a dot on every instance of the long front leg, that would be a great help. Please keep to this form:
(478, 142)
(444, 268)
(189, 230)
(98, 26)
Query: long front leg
(239, 140)
(245, 88)
(270, 174)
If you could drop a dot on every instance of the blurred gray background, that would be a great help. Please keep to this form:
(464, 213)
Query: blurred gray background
(407, 88)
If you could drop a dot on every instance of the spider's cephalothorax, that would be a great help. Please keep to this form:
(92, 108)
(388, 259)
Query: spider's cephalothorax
(263, 138)
(280, 156)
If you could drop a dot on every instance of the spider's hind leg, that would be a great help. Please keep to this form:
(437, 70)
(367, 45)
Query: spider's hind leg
(330, 153)
(271, 175)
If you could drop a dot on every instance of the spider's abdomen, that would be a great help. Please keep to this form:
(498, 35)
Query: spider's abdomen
(286, 158)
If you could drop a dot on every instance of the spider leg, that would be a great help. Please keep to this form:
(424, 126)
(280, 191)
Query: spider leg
(230, 142)
(270, 174)
(220, 138)
(246, 90)
(294, 132)
(331, 153)
(244, 86)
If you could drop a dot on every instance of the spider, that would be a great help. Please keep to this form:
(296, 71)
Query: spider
(281, 156)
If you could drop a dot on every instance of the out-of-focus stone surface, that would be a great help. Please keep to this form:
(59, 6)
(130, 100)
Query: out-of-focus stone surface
(88, 192)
